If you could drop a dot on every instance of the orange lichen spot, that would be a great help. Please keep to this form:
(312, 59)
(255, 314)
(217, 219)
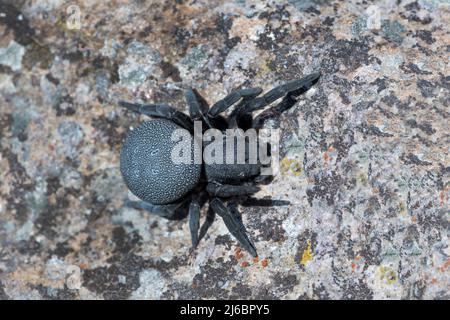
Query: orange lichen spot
(264, 263)
(238, 254)
(434, 281)
(326, 157)
(255, 260)
(330, 149)
(244, 264)
(83, 265)
(445, 265)
(353, 266)
(414, 218)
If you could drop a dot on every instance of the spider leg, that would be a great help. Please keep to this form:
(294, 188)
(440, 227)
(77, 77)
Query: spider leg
(263, 179)
(254, 202)
(234, 225)
(210, 216)
(160, 111)
(236, 115)
(198, 107)
(227, 190)
(288, 101)
(166, 211)
(222, 105)
(298, 86)
(194, 221)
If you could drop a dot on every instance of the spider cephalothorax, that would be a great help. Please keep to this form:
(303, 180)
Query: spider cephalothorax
(167, 187)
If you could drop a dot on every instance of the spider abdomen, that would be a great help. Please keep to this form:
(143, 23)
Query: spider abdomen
(147, 167)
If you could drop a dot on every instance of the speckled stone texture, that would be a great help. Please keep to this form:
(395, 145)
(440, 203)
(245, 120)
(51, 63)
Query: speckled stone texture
(364, 154)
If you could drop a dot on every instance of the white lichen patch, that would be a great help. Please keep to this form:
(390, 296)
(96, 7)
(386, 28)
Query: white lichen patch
(152, 285)
(12, 55)
(141, 62)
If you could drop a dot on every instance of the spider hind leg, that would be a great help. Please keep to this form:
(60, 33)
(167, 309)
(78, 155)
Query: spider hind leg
(175, 211)
(160, 110)
(194, 221)
(234, 225)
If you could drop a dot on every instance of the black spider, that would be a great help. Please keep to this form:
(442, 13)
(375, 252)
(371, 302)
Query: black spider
(168, 189)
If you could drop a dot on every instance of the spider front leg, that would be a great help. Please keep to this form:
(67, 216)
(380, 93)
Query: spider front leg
(222, 105)
(160, 111)
(288, 102)
(234, 225)
(297, 86)
(198, 107)
(198, 110)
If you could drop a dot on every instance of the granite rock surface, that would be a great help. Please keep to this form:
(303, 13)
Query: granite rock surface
(364, 154)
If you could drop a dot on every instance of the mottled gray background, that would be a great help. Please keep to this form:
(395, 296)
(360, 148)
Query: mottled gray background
(364, 155)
